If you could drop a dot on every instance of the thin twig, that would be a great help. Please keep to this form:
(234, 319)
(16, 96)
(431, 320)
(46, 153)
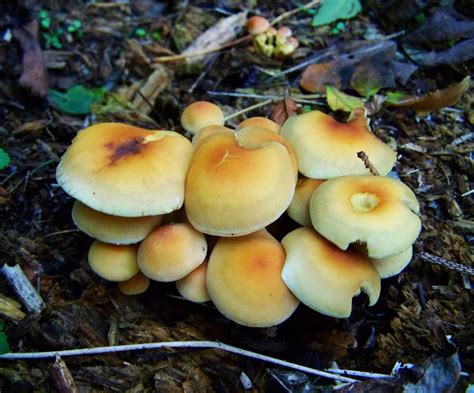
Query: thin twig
(173, 344)
(365, 159)
(355, 373)
(248, 109)
(23, 288)
(463, 269)
(287, 14)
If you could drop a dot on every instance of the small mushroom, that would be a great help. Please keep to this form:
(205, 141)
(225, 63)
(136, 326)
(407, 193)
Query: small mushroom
(208, 130)
(377, 211)
(299, 206)
(257, 25)
(113, 262)
(135, 286)
(244, 280)
(259, 122)
(171, 252)
(324, 277)
(126, 171)
(193, 286)
(201, 114)
(326, 148)
(112, 229)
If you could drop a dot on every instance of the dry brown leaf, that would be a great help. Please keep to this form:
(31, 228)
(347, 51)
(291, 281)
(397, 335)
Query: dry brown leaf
(437, 99)
(283, 110)
(222, 32)
(147, 93)
(315, 78)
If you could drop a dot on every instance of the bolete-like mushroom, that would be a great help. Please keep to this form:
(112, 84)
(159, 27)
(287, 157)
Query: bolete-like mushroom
(171, 252)
(324, 277)
(244, 280)
(326, 148)
(126, 171)
(112, 229)
(378, 211)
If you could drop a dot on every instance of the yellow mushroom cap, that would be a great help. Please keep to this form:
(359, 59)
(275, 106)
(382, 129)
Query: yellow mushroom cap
(254, 136)
(260, 122)
(209, 130)
(326, 148)
(229, 186)
(257, 25)
(112, 229)
(193, 286)
(324, 277)
(299, 206)
(171, 252)
(378, 211)
(201, 114)
(126, 171)
(394, 264)
(244, 280)
(135, 286)
(113, 262)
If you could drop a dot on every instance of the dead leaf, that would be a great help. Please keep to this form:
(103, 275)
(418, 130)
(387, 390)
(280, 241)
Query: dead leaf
(443, 25)
(337, 100)
(315, 78)
(34, 76)
(225, 30)
(283, 110)
(459, 53)
(437, 99)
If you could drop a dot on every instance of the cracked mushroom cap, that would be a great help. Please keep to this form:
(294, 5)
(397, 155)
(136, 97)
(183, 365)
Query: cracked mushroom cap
(299, 206)
(244, 280)
(126, 171)
(326, 148)
(135, 286)
(193, 286)
(201, 114)
(171, 252)
(233, 190)
(113, 262)
(378, 211)
(260, 122)
(324, 277)
(394, 264)
(112, 229)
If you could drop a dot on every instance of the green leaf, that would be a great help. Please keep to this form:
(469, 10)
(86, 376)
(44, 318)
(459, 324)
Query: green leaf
(394, 97)
(4, 347)
(332, 10)
(337, 100)
(4, 159)
(77, 100)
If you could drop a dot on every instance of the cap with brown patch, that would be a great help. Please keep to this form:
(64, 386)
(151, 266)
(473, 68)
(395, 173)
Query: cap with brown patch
(126, 171)
(201, 114)
(112, 229)
(260, 122)
(171, 252)
(244, 280)
(193, 286)
(113, 262)
(378, 211)
(299, 206)
(326, 148)
(324, 277)
(232, 190)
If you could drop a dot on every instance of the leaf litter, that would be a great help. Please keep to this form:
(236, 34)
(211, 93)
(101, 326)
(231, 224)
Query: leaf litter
(417, 309)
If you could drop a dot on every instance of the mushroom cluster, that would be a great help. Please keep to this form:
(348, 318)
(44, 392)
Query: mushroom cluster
(162, 208)
(269, 41)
